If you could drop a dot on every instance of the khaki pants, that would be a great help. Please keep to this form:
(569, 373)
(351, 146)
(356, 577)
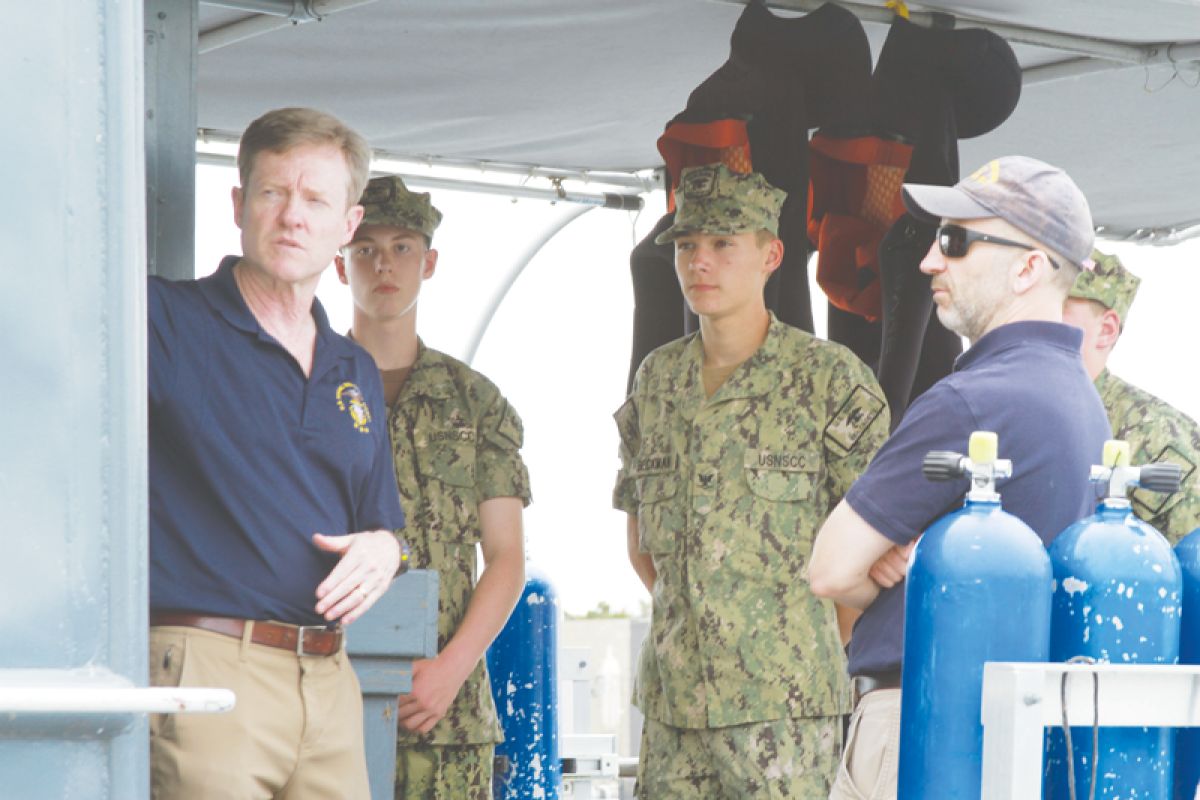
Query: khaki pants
(783, 758)
(296, 732)
(872, 757)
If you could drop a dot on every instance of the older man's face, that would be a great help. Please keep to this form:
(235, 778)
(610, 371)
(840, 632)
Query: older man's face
(294, 214)
(969, 291)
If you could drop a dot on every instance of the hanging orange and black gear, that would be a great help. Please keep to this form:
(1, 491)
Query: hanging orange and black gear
(783, 77)
(876, 130)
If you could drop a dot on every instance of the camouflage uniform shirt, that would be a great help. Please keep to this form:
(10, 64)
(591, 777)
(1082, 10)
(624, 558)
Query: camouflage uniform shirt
(1156, 432)
(730, 492)
(456, 442)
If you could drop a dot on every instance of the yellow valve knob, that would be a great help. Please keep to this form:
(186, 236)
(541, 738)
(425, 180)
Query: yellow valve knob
(1116, 453)
(984, 446)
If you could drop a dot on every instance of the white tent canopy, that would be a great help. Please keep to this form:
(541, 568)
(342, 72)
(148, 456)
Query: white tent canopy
(560, 83)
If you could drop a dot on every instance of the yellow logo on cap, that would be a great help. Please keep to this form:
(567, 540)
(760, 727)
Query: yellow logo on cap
(350, 398)
(988, 173)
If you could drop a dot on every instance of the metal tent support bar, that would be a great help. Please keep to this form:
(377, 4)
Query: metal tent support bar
(629, 180)
(292, 9)
(1078, 67)
(1156, 237)
(273, 20)
(621, 202)
(239, 31)
(652, 181)
(531, 251)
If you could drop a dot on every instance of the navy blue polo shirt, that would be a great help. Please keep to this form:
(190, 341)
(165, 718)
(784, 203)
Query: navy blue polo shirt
(1026, 382)
(249, 458)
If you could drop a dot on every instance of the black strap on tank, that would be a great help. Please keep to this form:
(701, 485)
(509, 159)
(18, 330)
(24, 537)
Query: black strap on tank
(1095, 726)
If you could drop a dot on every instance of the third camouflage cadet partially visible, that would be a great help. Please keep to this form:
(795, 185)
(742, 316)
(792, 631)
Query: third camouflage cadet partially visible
(1156, 431)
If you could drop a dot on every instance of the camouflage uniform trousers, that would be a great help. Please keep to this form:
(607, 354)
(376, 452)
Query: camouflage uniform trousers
(455, 772)
(784, 758)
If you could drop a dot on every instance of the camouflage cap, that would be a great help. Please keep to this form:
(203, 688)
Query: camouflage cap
(1035, 198)
(387, 201)
(715, 199)
(1109, 284)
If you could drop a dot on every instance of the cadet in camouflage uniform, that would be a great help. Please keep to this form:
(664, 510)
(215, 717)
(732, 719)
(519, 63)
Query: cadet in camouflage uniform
(735, 444)
(1157, 432)
(456, 443)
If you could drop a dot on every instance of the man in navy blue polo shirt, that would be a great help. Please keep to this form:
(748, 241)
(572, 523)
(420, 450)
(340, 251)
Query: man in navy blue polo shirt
(272, 493)
(1013, 238)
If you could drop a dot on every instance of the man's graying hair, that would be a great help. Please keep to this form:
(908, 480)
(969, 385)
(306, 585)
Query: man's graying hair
(1062, 278)
(285, 129)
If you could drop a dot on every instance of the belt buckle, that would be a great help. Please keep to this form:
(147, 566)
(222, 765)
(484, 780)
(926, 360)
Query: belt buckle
(300, 636)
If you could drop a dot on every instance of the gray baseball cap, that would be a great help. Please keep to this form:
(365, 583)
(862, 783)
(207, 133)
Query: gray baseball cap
(1034, 197)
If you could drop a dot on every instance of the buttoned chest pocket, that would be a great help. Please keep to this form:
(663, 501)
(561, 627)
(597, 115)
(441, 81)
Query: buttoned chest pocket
(660, 514)
(447, 470)
(783, 498)
(780, 476)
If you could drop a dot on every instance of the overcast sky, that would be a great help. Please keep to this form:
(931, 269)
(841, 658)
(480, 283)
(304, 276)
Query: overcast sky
(559, 350)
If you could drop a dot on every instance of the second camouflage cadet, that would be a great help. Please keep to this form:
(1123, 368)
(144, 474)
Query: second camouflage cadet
(456, 446)
(1156, 431)
(728, 492)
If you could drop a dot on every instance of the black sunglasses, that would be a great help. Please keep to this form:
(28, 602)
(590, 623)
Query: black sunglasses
(954, 241)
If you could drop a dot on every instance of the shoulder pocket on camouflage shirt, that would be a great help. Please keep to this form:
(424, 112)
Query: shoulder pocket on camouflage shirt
(780, 475)
(509, 433)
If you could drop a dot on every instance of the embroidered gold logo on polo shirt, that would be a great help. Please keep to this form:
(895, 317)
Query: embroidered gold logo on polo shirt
(350, 399)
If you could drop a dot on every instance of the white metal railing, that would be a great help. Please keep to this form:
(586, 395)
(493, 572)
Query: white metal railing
(95, 690)
(113, 700)
(1021, 700)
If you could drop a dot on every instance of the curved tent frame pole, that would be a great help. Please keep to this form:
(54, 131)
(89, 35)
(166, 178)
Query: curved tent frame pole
(535, 247)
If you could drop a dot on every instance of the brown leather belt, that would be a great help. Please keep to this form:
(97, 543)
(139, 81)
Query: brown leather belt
(861, 685)
(303, 640)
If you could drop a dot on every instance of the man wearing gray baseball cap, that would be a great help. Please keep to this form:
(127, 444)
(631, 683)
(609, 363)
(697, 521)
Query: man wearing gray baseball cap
(1013, 238)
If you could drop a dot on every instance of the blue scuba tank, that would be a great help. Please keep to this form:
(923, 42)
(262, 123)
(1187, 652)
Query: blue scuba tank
(978, 589)
(1187, 742)
(523, 663)
(1117, 597)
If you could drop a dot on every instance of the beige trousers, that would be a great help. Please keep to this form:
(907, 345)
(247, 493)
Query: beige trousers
(296, 732)
(871, 758)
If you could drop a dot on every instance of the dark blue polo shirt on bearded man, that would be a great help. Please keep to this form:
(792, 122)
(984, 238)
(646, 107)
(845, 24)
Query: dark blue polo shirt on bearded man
(1026, 382)
(249, 458)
